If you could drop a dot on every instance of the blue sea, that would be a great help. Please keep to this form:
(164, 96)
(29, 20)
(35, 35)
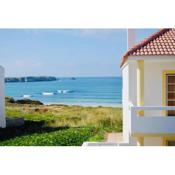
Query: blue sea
(96, 91)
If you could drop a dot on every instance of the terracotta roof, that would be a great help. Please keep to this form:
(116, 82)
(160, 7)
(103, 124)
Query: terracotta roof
(160, 43)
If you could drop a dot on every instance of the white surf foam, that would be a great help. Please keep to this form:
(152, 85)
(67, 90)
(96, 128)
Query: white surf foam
(47, 93)
(64, 91)
(26, 96)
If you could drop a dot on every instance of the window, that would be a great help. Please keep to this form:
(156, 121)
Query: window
(170, 92)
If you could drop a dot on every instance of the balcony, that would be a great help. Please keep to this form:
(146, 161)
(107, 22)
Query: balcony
(152, 124)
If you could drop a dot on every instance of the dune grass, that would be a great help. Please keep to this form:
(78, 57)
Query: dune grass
(79, 124)
(107, 118)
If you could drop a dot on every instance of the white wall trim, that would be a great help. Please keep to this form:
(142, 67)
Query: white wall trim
(159, 58)
(2, 98)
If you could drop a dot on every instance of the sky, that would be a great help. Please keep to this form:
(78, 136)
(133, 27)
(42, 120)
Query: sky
(64, 52)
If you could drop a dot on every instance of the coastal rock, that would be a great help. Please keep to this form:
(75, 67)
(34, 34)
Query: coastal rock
(9, 100)
(22, 101)
(28, 101)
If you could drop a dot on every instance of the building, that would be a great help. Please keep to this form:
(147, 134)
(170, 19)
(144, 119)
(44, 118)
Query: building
(2, 99)
(148, 71)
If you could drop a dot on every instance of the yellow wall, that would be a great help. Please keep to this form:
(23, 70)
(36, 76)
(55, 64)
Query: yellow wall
(140, 85)
(154, 140)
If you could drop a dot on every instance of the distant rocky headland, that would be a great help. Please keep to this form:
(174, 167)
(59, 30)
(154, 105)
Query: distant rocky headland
(30, 79)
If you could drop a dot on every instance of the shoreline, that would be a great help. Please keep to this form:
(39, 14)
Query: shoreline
(85, 104)
(81, 104)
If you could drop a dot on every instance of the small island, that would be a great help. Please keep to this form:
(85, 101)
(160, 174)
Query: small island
(30, 79)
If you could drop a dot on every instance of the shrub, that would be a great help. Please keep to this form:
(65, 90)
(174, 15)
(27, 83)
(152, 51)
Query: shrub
(28, 101)
(67, 137)
(9, 100)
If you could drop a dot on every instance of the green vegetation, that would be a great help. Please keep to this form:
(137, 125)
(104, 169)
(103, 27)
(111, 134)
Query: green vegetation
(59, 125)
(22, 101)
(62, 137)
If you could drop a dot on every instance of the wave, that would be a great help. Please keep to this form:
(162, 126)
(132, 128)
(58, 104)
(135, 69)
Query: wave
(64, 91)
(47, 93)
(26, 96)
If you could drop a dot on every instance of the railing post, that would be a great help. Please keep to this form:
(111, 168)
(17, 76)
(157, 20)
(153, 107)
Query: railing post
(133, 116)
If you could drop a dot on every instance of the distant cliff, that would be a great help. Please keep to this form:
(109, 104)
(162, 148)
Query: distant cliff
(29, 79)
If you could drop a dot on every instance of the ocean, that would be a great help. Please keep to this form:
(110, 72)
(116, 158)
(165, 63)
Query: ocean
(96, 91)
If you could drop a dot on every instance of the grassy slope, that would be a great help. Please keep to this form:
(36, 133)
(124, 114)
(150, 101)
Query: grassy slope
(80, 124)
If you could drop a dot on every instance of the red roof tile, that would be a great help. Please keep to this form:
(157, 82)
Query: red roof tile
(160, 43)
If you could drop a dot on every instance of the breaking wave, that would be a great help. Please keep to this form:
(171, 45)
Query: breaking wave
(63, 91)
(26, 96)
(47, 93)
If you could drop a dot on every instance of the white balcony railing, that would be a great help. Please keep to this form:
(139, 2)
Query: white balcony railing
(152, 124)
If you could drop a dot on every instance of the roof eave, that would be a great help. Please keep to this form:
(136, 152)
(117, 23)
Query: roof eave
(144, 42)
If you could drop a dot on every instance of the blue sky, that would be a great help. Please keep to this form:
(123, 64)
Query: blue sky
(64, 52)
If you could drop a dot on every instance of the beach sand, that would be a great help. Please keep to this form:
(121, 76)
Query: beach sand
(87, 104)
